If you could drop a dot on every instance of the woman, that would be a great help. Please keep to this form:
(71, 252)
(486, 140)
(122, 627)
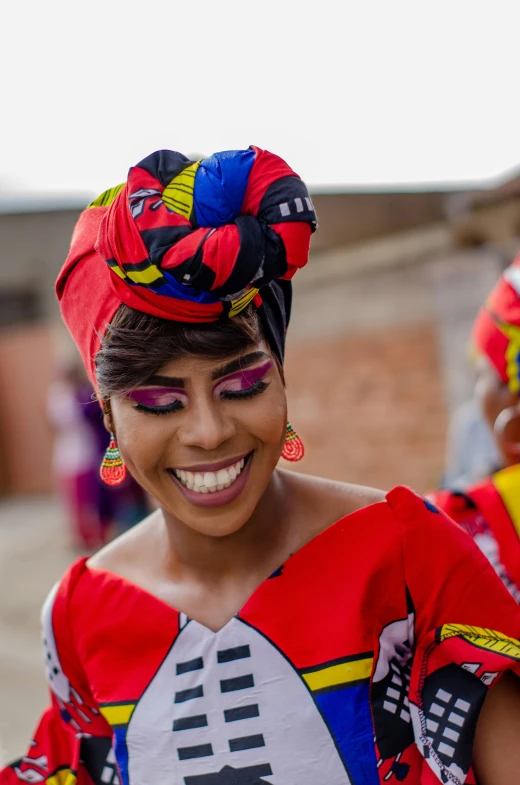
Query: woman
(261, 626)
(490, 509)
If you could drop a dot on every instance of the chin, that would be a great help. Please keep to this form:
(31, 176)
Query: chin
(217, 526)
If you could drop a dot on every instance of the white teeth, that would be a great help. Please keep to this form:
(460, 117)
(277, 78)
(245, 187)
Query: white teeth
(222, 477)
(209, 482)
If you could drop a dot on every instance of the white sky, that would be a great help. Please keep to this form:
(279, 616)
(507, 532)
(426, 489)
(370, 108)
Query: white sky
(348, 92)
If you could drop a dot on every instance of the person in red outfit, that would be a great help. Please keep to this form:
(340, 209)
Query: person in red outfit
(262, 625)
(489, 510)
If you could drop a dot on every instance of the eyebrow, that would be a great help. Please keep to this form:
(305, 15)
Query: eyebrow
(238, 364)
(234, 365)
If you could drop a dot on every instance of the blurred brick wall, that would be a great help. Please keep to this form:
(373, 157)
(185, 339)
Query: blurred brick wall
(26, 368)
(370, 407)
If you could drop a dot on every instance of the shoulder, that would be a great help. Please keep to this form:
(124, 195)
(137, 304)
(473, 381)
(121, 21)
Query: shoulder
(338, 499)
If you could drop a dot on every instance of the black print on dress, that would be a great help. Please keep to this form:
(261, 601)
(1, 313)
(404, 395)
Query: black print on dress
(99, 760)
(241, 713)
(199, 751)
(452, 699)
(250, 775)
(236, 653)
(238, 683)
(246, 743)
(192, 665)
(188, 723)
(188, 695)
(391, 684)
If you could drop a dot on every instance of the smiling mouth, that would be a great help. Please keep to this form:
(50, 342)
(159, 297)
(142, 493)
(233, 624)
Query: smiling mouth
(210, 482)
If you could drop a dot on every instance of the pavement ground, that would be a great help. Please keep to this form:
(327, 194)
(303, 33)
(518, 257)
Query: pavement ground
(33, 555)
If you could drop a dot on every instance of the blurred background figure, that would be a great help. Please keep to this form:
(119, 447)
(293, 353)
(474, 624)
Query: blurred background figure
(75, 456)
(471, 450)
(489, 509)
(94, 512)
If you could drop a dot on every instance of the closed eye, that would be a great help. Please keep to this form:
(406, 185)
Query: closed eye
(246, 392)
(159, 400)
(243, 384)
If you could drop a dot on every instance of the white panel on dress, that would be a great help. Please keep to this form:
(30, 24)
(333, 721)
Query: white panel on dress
(58, 682)
(229, 699)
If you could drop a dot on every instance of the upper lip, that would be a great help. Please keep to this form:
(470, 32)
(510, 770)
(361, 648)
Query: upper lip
(211, 467)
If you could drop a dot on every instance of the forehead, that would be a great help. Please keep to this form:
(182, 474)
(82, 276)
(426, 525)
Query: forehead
(192, 365)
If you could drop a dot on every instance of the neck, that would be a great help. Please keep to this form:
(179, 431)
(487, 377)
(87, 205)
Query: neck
(247, 550)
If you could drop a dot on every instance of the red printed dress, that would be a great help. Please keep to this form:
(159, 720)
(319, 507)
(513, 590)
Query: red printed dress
(490, 512)
(364, 659)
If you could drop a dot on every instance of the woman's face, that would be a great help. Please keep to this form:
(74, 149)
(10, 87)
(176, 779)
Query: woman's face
(495, 397)
(204, 436)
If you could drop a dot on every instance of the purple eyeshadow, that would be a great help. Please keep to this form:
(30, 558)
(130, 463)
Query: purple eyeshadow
(243, 380)
(158, 396)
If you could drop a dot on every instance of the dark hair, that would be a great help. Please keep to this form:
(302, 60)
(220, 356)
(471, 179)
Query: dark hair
(137, 345)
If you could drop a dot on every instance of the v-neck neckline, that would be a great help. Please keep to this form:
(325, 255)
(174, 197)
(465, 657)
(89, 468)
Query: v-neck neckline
(297, 554)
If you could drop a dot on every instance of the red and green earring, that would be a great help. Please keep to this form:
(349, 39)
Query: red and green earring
(113, 468)
(293, 449)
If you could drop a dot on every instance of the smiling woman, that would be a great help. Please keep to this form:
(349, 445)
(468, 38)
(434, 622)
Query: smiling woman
(261, 626)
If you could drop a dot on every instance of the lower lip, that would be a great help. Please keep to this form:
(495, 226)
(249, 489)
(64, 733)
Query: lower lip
(217, 498)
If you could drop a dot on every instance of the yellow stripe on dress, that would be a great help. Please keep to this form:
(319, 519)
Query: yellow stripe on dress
(62, 777)
(483, 638)
(507, 483)
(242, 302)
(178, 194)
(118, 714)
(107, 197)
(339, 674)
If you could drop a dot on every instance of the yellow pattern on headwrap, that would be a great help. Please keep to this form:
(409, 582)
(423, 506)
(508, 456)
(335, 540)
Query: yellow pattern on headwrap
(483, 639)
(107, 197)
(178, 194)
(242, 302)
(512, 332)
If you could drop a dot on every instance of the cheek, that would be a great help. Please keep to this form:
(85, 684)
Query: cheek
(267, 417)
(142, 440)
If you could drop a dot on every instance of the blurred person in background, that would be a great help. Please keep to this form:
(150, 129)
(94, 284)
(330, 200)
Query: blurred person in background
(262, 625)
(94, 511)
(471, 451)
(490, 508)
(76, 456)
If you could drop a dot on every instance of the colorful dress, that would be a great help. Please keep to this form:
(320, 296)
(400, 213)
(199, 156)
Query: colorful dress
(490, 512)
(364, 659)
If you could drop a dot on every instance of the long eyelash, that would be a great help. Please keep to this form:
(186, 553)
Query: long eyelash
(255, 389)
(175, 406)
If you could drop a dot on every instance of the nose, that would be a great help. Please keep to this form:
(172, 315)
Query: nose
(205, 426)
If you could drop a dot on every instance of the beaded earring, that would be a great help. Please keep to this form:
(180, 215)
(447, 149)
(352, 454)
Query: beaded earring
(113, 468)
(293, 449)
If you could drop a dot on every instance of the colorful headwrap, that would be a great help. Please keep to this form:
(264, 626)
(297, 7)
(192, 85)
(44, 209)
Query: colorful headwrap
(191, 242)
(496, 331)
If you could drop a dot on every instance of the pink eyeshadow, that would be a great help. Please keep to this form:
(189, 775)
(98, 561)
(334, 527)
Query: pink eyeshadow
(158, 396)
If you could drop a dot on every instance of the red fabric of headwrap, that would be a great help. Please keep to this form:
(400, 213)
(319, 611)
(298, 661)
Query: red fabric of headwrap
(496, 331)
(188, 241)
